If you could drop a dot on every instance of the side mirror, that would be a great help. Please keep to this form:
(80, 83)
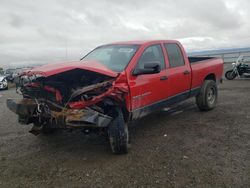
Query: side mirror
(149, 68)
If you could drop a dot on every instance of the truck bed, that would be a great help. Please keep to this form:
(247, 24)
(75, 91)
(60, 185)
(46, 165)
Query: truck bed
(198, 59)
(203, 67)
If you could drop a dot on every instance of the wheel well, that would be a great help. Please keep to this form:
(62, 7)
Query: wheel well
(211, 77)
(111, 104)
(125, 113)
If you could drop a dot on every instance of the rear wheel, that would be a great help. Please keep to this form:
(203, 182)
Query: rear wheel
(207, 98)
(118, 133)
(230, 75)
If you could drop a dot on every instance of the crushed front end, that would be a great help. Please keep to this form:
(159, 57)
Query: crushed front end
(75, 98)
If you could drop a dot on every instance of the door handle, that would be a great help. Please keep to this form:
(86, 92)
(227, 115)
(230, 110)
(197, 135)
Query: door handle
(186, 72)
(163, 78)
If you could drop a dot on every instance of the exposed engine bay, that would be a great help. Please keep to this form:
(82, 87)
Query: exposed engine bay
(75, 98)
(62, 88)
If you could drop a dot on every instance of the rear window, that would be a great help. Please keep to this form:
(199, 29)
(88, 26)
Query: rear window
(175, 56)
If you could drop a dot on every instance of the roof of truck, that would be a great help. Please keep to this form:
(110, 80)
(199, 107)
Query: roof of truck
(140, 42)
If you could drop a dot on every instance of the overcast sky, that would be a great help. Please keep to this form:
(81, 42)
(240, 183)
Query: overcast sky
(55, 30)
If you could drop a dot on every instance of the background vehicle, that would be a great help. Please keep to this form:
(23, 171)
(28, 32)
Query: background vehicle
(239, 69)
(11, 74)
(113, 85)
(3, 82)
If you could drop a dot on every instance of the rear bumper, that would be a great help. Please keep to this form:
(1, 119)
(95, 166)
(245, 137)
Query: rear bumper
(26, 109)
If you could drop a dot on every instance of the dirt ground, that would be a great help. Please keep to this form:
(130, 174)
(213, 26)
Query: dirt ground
(181, 147)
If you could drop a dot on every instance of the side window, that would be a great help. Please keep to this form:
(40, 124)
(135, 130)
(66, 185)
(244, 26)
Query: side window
(175, 56)
(152, 53)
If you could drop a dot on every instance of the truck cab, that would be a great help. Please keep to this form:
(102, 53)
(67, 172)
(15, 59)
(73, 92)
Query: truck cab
(174, 76)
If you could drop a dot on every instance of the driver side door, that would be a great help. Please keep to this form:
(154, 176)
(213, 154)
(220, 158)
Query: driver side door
(148, 89)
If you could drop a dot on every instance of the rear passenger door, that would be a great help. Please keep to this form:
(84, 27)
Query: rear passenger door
(179, 71)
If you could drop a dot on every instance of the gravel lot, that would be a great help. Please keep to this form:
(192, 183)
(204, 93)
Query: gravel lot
(182, 147)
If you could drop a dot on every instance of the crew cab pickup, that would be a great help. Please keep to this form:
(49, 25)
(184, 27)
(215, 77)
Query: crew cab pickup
(113, 85)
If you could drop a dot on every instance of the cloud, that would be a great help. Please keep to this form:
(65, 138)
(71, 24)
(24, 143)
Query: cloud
(40, 31)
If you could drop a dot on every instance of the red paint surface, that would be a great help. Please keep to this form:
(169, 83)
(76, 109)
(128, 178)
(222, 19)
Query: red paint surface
(142, 90)
(56, 68)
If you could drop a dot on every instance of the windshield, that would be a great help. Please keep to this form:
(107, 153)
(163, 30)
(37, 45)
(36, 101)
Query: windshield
(115, 57)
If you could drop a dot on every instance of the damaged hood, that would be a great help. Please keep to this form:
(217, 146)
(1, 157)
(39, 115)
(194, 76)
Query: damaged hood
(57, 68)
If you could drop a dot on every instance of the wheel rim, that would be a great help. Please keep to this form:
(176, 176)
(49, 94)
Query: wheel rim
(211, 95)
(231, 74)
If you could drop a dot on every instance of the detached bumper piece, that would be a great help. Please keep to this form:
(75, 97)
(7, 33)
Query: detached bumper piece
(27, 111)
(86, 118)
(21, 106)
(24, 108)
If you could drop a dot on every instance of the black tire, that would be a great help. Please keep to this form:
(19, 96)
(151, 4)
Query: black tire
(118, 134)
(44, 129)
(207, 98)
(230, 75)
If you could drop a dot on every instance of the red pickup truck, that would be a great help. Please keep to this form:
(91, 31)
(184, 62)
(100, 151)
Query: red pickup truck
(113, 85)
